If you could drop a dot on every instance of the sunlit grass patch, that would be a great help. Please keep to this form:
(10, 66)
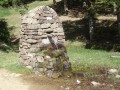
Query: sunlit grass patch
(4, 12)
(9, 61)
(40, 3)
(82, 58)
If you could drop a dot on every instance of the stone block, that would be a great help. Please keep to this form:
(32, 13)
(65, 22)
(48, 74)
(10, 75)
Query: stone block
(24, 17)
(51, 63)
(24, 57)
(29, 67)
(32, 14)
(44, 36)
(40, 33)
(54, 25)
(56, 75)
(49, 30)
(58, 30)
(37, 16)
(61, 37)
(61, 34)
(33, 26)
(47, 15)
(35, 21)
(41, 69)
(46, 8)
(46, 25)
(27, 62)
(29, 20)
(24, 21)
(51, 21)
(32, 41)
(32, 50)
(40, 59)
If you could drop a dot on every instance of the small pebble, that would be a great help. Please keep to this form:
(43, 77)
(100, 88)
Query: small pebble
(78, 81)
(113, 71)
(117, 76)
(67, 88)
(95, 83)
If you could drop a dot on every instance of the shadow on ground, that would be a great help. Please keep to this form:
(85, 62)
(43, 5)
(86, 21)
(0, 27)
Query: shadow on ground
(76, 30)
(105, 35)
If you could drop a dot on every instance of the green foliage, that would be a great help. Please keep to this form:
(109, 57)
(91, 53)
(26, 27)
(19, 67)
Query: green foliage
(4, 32)
(3, 2)
(7, 3)
(4, 12)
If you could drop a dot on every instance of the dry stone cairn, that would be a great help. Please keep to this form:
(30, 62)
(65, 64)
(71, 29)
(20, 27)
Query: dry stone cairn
(42, 42)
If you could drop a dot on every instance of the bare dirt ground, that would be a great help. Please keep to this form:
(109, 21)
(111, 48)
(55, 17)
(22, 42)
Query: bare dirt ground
(11, 81)
(107, 17)
(14, 81)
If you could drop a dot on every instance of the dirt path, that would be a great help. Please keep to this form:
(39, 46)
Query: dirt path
(13, 81)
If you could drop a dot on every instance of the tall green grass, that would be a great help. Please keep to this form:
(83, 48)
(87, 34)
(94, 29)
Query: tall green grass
(4, 12)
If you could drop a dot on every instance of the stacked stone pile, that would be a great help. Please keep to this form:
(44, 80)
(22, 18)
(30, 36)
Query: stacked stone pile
(36, 26)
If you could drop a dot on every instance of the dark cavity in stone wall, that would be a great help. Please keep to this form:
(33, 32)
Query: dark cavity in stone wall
(42, 42)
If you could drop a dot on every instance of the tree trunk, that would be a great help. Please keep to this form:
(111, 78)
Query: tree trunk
(91, 28)
(65, 6)
(54, 2)
(114, 8)
(118, 20)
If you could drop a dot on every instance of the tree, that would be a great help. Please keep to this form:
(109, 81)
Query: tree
(65, 6)
(54, 2)
(117, 6)
(89, 5)
(7, 3)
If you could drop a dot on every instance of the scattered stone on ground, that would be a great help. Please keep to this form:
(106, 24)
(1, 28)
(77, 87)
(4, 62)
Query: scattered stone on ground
(29, 67)
(117, 76)
(95, 84)
(78, 81)
(16, 81)
(11, 81)
(113, 71)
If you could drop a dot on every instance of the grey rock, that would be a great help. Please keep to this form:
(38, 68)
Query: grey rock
(46, 25)
(29, 67)
(40, 59)
(32, 41)
(113, 71)
(95, 84)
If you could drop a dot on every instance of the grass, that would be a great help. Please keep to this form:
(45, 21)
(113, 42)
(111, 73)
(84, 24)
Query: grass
(10, 60)
(4, 12)
(82, 58)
